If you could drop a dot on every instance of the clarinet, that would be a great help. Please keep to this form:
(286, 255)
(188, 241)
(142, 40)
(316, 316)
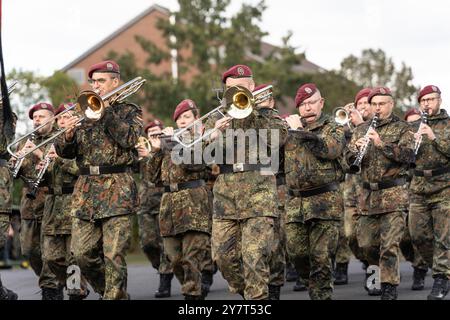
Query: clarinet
(35, 184)
(356, 166)
(419, 140)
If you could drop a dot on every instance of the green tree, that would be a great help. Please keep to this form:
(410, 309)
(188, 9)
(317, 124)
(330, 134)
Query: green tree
(375, 68)
(60, 88)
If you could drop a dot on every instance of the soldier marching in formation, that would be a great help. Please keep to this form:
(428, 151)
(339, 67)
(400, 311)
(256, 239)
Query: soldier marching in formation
(371, 185)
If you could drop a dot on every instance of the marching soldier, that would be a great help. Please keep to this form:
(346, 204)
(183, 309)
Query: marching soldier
(429, 209)
(313, 176)
(105, 194)
(148, 218)
(245, 199)
(61, 175)
(6, 183)
(385, 183)
(185, 213)
(32, 210)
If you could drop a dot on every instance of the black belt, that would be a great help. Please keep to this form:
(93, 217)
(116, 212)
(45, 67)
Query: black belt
(61, 190)
(333, 186)
(239, 167)
(174, 187)
(431, 173)
(281, 180)
(3, 163)
(384, 184)
(98, 170)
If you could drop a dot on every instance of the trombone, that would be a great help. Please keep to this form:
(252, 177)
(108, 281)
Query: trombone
(11, 88)
(238, 103)
(90, 105)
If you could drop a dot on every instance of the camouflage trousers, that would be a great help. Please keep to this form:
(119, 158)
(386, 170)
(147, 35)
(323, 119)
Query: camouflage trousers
(379, 237)
(243, 251)
(351, 224)
(57, 257)
(406, 248)
(4, 226)
(343, 252)
(99, 249)
(312, 246)
(429, 223)
(31, 241)
(187, 252)
(152, 243)
(278, 260)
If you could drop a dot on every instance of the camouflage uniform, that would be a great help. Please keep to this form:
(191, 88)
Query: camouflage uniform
(103, 202)
(313, 221)
(383, 211)
(184, 219)
(31, 212)
(148, 220)
(429, 208)
(246, 211)
(57, 221)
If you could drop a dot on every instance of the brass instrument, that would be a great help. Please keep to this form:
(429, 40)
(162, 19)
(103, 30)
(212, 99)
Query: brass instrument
(35, 184)
(90, 105)
(424, 119)
(342, 114)
(356, 166)
(238, 103)
(18, 164)
(143, 141)
(11, 88)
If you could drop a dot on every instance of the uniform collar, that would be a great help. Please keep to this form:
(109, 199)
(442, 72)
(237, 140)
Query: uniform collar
(440, 116)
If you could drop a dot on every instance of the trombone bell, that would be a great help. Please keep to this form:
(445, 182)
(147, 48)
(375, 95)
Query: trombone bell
(239, 102)
(91, 104)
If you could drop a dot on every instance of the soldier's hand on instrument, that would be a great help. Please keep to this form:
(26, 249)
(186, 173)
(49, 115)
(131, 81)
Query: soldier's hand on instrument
(142, 151)
(72, 123)
(220, 125)
(426, 130)
(168, 131)
(40, 165)
(361, 142)
(375, 137)
(52, 152)
(294, 121)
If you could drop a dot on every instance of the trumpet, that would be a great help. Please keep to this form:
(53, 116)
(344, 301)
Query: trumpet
(356, 166)
(342, 114)
(90, 105)
(18, 164)
(238, 103)
(143, 141)
(418, 142)
(35, 184)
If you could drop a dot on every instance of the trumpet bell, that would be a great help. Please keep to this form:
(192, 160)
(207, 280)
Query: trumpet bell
(239, 102)
(341, 116)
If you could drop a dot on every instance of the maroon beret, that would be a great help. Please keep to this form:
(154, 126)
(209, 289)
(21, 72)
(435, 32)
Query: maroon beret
(154, 123)
(428, 90)
(304, 92)
(411, 112)
(182, 107)
(237, 71)
(40, 106)
(104, 66)
(62, 107)
(361, 94)
(261, 86)
(379, 91)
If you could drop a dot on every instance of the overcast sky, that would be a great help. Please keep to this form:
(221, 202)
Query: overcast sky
(46, 35)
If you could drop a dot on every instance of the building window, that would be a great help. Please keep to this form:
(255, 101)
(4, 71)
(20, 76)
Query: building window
(77, 74)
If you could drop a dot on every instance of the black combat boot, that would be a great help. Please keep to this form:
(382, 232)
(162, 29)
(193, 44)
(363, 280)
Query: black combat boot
(165, 282)
(418, 279)
(291, 273)
(388, 291)
(52, 294)
(440, 288)
(274, 292)
(373, 292)
(79, 295)
(341, 274)
(207, 281)
(300, 285)
(6, 294)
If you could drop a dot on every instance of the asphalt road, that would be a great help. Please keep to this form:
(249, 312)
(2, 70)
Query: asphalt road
(143, 282)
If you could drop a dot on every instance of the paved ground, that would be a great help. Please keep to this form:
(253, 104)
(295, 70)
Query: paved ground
(143, 282)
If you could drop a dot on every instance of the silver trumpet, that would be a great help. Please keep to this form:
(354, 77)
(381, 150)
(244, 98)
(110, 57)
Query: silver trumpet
(18, 164)
(419, 140)
(356, 165)
(35, 184)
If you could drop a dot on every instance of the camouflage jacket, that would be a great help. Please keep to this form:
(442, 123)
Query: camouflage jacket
(388, 162)
(57, 219)
(184, 210)
(6, 181)
(108, 142)
(32, 209)
(149, 194)
(311, 161)
(433, 155)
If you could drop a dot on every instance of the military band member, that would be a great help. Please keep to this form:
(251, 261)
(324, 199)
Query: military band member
(6, 183)
(245, 199)
(429, 209)
(61, 176)
(185, 213)
(148, 217)
(105, 194)
(31, 211)
(413, 115)
(313, 176)
(384, 171)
